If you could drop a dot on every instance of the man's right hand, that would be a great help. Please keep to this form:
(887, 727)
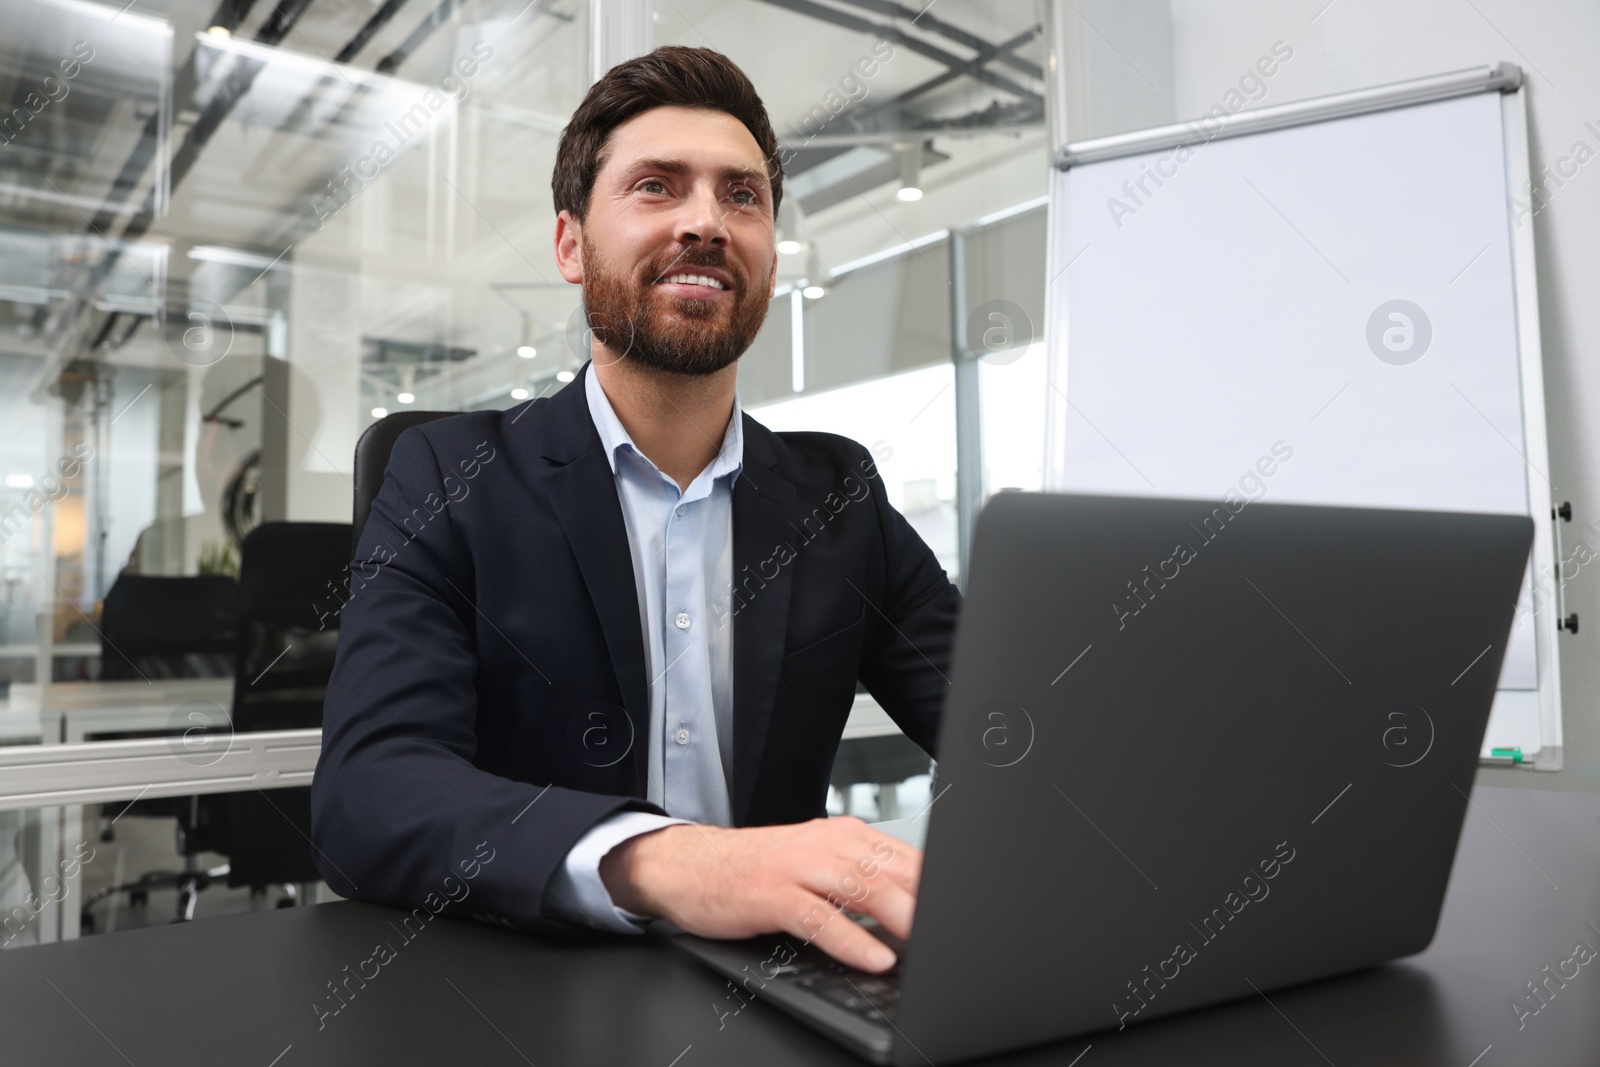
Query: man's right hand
(736, 883)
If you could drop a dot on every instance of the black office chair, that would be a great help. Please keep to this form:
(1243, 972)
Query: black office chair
(164, 627)
(160, 626)
(285, 639)
(372, 457)
(156, 626)
(291, 584)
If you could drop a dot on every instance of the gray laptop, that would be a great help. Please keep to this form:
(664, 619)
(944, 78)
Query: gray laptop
(1188, 754)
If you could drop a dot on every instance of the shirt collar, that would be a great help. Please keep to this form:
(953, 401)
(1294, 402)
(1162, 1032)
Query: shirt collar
(614, 437)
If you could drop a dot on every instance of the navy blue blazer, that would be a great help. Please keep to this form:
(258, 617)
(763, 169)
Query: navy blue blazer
(489, 697)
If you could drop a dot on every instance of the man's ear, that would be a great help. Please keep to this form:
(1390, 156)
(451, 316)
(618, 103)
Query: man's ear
(569, 247)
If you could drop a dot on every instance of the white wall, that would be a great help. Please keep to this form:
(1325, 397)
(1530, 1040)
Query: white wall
(1351, 44)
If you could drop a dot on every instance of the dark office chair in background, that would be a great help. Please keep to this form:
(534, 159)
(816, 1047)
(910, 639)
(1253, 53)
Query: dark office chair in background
(155, 626)
(291, 585)
(160, 626)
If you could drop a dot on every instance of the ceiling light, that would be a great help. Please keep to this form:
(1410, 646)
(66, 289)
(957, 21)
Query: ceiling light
(220, 33)
(564, 376)
(19, 481)
(910, 173)
(527, 351)
(406, 398)
(519, 393)
(789, 220)
(380, 413)
(815, 284)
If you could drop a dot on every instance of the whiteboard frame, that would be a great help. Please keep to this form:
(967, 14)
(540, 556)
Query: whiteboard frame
(1504, 78)
(1514, 121)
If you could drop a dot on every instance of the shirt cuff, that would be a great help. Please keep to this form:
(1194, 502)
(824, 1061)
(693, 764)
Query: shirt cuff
(576, 891)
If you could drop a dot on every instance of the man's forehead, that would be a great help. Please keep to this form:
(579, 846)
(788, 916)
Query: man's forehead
(720, 143)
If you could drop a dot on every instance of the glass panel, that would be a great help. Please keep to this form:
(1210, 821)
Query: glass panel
(228, 249)
(30, 853)
(223, 248)
(78, 870)
(893, 126)
(766, 370)
(1005, 284)
(1012, 389)
(877, 320)
(1005, 294)
(905, 420)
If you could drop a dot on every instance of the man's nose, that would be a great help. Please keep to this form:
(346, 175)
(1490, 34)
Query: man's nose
(703, 220)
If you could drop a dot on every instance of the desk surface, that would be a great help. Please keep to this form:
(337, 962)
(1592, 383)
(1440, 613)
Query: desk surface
(240, 990)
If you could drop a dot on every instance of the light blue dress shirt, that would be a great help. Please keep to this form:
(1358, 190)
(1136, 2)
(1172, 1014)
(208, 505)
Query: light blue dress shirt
(682, 547)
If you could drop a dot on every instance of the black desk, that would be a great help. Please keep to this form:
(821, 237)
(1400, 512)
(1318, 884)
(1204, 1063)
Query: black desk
(240, 990)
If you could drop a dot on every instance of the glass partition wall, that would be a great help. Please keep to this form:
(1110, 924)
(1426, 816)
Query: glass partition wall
(236, 234)
(231, 234)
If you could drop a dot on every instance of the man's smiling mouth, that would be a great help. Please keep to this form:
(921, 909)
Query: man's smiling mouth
(692, 279)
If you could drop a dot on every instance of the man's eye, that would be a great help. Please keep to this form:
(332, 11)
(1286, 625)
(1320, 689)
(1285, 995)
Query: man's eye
(754, 197)
(652, 181)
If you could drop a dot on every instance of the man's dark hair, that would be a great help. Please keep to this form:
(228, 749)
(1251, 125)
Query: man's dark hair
(671, 75)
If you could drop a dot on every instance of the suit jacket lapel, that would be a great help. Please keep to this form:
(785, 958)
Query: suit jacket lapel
(582, 492)
(762, 502)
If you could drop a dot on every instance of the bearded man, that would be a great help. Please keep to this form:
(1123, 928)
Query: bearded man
(621, 665)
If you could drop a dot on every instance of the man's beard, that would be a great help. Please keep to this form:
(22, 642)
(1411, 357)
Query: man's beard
(679, 335)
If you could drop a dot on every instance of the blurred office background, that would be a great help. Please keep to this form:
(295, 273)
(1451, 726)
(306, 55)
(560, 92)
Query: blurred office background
(235, 234)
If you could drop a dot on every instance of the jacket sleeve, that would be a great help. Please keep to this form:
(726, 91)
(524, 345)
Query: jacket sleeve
(400, 814)
(905, 663)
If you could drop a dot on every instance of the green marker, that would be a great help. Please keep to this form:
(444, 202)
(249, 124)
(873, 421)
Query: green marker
(1512, 754)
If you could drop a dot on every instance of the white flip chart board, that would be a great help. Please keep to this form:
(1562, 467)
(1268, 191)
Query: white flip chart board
(1349, 280)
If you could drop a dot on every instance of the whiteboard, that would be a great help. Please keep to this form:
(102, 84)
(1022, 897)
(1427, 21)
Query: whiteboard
(1345, 291)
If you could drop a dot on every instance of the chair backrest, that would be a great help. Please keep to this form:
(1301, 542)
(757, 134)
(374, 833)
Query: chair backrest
(161, 626)
(372, 457)
(291, 587)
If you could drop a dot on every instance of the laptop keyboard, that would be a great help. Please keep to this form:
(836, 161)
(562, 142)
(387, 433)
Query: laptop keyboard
(871, 996)
(875, 997)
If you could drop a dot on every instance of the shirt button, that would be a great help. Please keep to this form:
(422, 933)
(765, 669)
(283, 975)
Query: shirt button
(682, 737)
(682, 620)
(679, 511)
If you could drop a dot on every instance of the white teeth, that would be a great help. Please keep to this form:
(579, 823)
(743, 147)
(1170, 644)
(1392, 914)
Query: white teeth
(695, 279)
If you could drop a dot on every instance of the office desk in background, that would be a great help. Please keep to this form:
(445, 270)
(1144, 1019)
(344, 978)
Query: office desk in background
(242, 989)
